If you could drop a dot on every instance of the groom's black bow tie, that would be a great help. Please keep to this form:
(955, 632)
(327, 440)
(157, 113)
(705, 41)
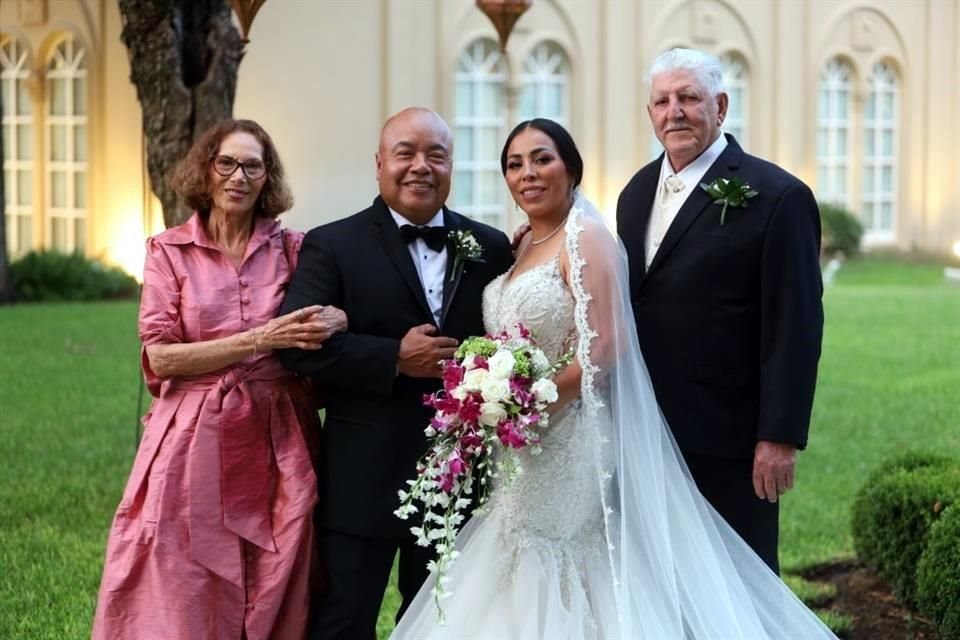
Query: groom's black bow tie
(435, 237)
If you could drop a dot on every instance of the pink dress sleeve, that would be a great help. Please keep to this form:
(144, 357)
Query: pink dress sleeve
(159, 321)
(292, 240)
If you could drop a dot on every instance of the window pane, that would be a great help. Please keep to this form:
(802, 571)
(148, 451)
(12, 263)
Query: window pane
(80, 96)
(886, 106)
(58, 233)
(842, 106)
(821, 143)
(79, 235)
(528, 102)
(869, 144)
(886, 216)
(489, 143)
(886, 142)
(464, 106)
(25, 187)
(492, 99)
(886, 179)
(463, 144)
(80, 143)
(58, 189)
(24, 233)
(7, 180)
(868, 180)
(24, 107)
(555, 95)
(489, 187)
(841, 142)
(871, 109)
(58, 96)
(463, 187)
(80, 190)
(7, 141)
(5, 96)
(868, 215)
(58, 143)
(24, 142)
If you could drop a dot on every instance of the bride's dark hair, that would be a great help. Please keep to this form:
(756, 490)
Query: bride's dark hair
(562, 139)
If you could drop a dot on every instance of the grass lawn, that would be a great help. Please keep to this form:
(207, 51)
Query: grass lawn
(68, 403)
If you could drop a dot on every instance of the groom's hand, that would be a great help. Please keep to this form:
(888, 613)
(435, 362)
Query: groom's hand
(773, 464)
(421, 351)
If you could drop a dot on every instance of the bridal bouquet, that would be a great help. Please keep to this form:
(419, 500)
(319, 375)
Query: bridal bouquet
(495, 392)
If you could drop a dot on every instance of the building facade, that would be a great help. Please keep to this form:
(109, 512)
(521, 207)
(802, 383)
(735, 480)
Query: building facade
(860, 99)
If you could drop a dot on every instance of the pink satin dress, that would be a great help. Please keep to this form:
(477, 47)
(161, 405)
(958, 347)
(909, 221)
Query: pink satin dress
(213, 537)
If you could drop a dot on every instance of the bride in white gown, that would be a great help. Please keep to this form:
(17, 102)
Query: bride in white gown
(604, 534)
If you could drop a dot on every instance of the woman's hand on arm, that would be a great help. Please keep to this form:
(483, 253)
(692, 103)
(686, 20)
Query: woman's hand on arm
(305, 328)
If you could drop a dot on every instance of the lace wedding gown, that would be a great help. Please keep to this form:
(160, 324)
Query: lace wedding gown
(581, 544)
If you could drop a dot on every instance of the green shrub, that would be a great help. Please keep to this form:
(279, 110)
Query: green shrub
(938, 575)
(893, 513)
(842, 231)
(55, 276)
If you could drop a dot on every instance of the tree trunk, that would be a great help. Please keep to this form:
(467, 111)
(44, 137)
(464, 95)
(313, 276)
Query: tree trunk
(184, 56)
(6, 287)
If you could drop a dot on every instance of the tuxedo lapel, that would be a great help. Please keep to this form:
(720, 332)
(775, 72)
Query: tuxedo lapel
(698, 201)
(451, 279)
(388, 235)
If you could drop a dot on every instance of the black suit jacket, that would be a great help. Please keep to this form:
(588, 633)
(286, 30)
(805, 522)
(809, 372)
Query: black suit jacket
(373, 430)
(729, 317)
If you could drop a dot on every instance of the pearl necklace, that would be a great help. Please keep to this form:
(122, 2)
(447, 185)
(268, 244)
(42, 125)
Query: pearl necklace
(551, 234)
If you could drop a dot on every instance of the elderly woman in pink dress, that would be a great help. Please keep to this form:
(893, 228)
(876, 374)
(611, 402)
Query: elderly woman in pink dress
(213, 537)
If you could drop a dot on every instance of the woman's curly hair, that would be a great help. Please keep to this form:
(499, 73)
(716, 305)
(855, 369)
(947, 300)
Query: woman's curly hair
(191, 177)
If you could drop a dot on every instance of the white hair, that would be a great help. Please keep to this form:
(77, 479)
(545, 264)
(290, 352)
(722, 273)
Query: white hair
(706, 67)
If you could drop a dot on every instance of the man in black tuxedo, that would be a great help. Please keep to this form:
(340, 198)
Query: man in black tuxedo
(393, 269)
(728, 307)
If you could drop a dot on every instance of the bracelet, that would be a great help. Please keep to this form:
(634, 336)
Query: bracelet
(256, 338)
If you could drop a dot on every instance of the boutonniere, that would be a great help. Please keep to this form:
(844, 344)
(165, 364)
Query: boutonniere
(465, 249)
(732, 192)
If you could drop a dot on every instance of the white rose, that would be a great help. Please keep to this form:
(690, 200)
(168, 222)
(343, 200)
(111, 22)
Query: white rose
(474, 378)
(501, 364)
(469, 362)
(491, 413)
(494, 390)
(458, 393)
(544, 390)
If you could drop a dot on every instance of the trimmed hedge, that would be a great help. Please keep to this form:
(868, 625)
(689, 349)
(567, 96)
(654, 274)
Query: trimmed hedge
(894, 511)
(54, 276)
(938, 575)
(842, 231)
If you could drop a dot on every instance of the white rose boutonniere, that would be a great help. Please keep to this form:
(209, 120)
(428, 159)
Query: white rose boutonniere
(465, 249)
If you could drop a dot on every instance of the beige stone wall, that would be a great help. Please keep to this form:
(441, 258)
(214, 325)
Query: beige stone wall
(322, 76)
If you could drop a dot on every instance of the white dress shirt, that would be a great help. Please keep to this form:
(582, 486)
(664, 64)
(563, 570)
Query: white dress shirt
(431, 265)
(673, 190)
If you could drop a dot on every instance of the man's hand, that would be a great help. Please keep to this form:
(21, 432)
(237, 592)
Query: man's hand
(773, 464)
(521, 231)
(421, 352)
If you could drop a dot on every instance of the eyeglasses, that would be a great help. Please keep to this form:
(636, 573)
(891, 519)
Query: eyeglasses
(225, 166)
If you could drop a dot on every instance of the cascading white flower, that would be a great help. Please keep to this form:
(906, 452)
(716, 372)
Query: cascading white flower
(544, 390)
(494, 389)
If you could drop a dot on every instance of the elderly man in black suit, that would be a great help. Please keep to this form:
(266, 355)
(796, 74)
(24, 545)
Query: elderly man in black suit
(394, 268)
(727, 299)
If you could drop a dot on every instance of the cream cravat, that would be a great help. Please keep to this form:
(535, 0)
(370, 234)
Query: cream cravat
(671, 194)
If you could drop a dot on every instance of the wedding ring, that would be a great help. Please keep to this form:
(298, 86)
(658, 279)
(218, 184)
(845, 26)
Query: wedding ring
(300, 315)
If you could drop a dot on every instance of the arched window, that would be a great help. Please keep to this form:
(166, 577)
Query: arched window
(17, 146)
(545, 84)
(66, 146)
(736, 80)
(480, 120)
(880, 124)
(834, 115)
